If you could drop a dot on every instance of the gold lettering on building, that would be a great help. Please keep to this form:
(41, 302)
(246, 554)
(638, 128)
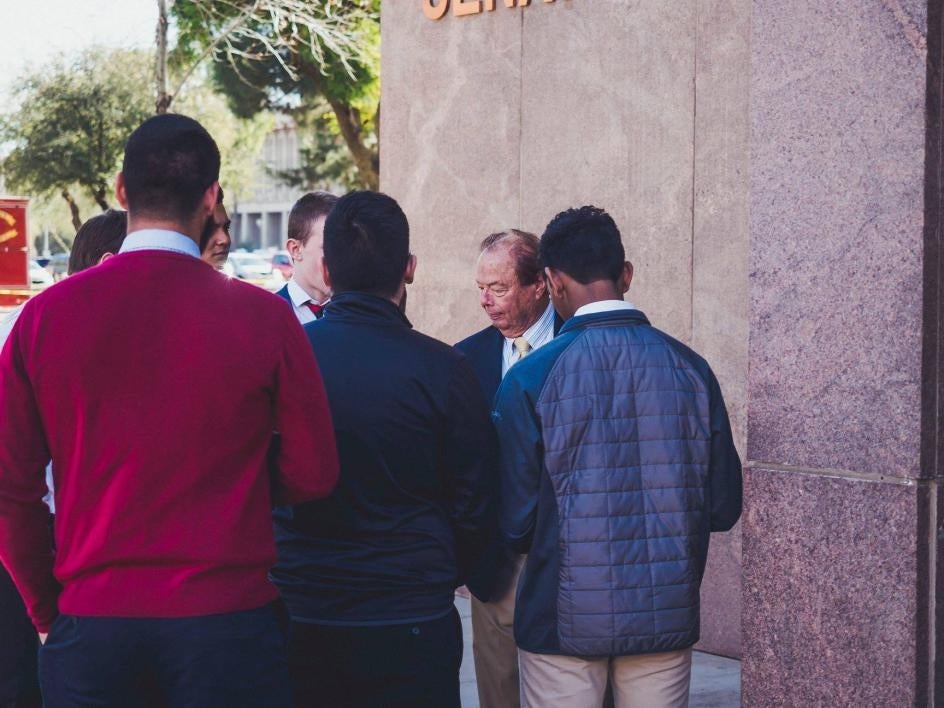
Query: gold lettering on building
(437, 9)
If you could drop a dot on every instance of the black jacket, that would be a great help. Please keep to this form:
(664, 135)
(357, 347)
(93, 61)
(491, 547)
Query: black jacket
(616, 464)
(415, 497)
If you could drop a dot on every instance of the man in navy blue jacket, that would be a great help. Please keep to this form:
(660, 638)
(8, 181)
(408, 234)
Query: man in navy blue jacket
(513, 294)
(616, 464)
(369, 574)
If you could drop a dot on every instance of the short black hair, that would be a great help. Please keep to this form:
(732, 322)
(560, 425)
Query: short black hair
(367, 244)
(585, 244)
(306, 211)
(99, 235)
(170, 161)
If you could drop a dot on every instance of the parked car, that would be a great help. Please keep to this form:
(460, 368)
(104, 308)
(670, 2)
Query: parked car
(39, 277)
(250, 267)
(282, 263)
(58, 266)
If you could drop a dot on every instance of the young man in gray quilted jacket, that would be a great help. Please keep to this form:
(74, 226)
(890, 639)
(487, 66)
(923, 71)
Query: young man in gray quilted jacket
(617, 464)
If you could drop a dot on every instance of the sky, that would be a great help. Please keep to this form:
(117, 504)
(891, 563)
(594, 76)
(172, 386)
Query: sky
(37, 31)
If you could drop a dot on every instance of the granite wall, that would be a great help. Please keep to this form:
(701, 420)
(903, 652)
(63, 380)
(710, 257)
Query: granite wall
(504, 118)
(840, 532)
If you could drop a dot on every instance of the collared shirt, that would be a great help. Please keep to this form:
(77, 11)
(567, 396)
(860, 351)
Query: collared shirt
(538, 334)
(300, 300)
(595, 308)
(160, 240)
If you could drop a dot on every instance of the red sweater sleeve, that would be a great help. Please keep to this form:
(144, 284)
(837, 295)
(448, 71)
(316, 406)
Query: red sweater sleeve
(308, 457)
(25, 539)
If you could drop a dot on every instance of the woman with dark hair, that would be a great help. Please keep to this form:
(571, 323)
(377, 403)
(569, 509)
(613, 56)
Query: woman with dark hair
(98, 238)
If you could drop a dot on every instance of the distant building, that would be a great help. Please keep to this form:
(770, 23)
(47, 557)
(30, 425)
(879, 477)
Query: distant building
(260, 217)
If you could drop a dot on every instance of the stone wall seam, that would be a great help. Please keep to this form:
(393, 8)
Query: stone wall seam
(519, 224)
(851, 475)
(932, 364)
(691, 270)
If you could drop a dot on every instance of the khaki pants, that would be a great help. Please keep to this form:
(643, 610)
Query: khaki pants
(494, 648)
(642, 681)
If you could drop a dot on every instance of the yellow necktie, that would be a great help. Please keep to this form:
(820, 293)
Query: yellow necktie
(523, 346)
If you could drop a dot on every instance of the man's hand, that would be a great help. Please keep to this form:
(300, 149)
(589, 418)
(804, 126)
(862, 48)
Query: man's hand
(42, 637)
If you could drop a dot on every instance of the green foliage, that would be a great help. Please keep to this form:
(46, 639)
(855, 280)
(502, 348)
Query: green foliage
(325, 160)
(303, 58)
(72, 121)
(239, 140)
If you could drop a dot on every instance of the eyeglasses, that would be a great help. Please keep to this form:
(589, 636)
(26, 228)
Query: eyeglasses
(498, 291)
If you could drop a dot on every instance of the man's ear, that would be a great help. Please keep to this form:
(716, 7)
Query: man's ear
(105, 257)
(120, 193)
(410, 271)
(209, 198)
(555, 283)
(626, 277)
(540, 292)
(294, 249)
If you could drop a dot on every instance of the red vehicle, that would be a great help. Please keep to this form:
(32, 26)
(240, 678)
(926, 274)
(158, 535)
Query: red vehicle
(14, 256)
(282, 262)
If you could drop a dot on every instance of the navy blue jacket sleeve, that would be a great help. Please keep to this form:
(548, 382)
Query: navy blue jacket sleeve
(470, 451)
(724, 474)
(520, 462)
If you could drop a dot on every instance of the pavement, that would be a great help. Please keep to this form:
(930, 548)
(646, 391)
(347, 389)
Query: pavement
(716, 681)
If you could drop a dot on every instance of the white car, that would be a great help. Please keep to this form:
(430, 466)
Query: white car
(39, 277)
(250, 267)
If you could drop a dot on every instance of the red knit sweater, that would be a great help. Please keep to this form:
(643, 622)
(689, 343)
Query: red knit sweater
(154, 384)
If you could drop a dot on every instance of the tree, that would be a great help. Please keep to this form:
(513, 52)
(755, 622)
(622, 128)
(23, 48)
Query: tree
(296, 56)
(72, 123)
(239, 140)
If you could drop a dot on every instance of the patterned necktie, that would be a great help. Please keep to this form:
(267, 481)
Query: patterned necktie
(316, 309)
(523, 346)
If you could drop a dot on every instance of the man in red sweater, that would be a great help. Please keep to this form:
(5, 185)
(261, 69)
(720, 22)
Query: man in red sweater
(154, 384)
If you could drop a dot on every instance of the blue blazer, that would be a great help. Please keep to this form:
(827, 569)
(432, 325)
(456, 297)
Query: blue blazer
(490, 579)
(283, 293)
(484, 349)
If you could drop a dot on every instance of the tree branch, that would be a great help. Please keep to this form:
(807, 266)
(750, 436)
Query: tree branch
(349, 121)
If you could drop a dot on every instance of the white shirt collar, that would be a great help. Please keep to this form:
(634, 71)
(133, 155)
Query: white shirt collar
(599, 306)
(160, 240)
(538, 334)
(299, 297)
(541, 331)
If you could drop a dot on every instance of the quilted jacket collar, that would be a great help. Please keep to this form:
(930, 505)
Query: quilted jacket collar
(616, 317)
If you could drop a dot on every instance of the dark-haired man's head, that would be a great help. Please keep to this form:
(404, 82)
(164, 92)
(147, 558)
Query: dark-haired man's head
(169, 175)
(305, 242)
(583, 257)
(367, 247)
(97, 239)
(215, 241)
(511, 283)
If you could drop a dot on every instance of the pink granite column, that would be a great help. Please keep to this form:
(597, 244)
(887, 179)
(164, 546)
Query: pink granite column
(841, 503)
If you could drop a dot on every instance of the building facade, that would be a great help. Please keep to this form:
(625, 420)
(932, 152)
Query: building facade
(260, 217)
(775, 170)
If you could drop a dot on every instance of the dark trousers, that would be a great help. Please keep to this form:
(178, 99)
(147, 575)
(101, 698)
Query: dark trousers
(234, 659)
(19, 685)
(409, 665)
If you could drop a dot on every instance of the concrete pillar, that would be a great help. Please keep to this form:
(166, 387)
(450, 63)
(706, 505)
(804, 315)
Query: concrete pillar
(840, 532)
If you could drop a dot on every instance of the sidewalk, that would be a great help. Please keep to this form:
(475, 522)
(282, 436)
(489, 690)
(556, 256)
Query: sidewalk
(716, 681)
